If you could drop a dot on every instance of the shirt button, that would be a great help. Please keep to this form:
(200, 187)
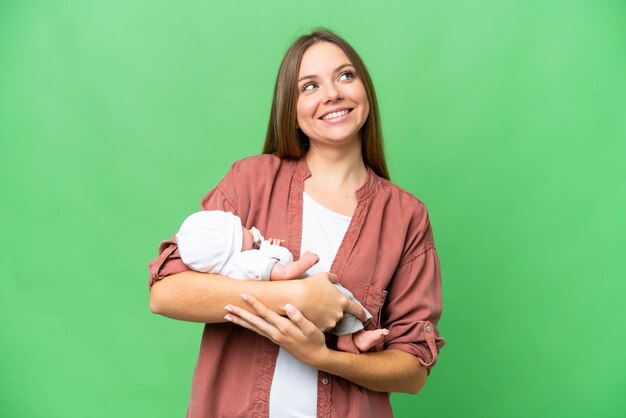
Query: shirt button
(325, 381)
(428, 328)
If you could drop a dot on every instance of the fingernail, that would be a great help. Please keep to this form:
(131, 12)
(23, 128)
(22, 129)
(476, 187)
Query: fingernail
(228, 308)
(290, 309)
(244, 297)
(228, 318)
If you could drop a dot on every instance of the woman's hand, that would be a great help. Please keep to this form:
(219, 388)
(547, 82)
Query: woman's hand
(295, 333)
(384, 371)
(320, 302)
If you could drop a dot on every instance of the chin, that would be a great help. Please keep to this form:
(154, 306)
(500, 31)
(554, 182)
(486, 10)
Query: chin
(337, 140)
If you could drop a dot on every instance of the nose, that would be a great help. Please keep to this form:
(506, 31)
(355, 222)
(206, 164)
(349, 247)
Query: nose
(332, 93)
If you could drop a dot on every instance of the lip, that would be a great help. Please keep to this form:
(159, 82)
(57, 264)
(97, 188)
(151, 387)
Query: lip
(340, 118)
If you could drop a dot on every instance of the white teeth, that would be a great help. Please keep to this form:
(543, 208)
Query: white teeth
(334, 115)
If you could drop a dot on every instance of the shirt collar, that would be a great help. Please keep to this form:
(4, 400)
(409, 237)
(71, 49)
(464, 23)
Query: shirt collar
(370, 185)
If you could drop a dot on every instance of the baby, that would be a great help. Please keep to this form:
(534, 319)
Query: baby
(216, 242)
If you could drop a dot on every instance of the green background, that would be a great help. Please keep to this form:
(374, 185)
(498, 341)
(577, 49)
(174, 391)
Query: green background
(508, 119)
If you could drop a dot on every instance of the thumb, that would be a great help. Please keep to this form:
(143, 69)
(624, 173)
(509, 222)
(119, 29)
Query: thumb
(356, 310)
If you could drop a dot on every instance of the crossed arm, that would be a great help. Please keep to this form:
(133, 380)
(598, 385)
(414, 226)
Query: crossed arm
(200, 297)
(385, 371)
(313, 304)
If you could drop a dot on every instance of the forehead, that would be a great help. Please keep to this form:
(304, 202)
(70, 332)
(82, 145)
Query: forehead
(322, 57)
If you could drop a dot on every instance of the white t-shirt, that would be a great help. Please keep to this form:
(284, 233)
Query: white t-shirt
(294, 386)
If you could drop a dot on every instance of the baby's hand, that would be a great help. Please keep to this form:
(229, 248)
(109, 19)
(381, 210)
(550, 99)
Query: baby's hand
(276, 241)
(310, 257)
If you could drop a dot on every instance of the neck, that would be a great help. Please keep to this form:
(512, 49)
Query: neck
(337, 167)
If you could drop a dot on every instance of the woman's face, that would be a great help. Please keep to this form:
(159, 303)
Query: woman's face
(332, 103)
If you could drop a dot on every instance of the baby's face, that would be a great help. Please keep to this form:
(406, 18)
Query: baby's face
(247, 243)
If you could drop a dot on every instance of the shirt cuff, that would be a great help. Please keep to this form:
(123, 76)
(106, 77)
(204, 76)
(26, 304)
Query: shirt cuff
(426, 348)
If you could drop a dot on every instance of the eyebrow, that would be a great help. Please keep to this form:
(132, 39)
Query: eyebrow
(342, 66)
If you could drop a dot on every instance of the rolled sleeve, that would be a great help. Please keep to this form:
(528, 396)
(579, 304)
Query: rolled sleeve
(413, 308)
(222, 197)
(167, 263)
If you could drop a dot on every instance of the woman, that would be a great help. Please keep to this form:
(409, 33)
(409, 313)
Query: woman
(322, 184)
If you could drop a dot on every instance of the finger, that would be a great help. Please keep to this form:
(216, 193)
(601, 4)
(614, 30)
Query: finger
(260, 308)
(255, 322)
(279, 323)
(305, 326)
(275, 333)
(353, 308)
(245, 324)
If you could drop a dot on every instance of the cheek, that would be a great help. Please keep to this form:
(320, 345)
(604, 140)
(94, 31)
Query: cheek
(361, 96)
(303, 112)
(366, 112)
(362, 99)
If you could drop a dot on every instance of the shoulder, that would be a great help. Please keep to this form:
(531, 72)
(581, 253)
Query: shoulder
(251, 173)
(260, 171)
(401, 199)
(406, 215)
(259, 164)
(252, 181)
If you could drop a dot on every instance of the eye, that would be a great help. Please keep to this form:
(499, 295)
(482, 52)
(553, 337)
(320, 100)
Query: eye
(309, 86)
(348, 75)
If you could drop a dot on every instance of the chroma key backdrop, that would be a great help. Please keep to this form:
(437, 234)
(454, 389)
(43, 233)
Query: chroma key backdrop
(506, 118)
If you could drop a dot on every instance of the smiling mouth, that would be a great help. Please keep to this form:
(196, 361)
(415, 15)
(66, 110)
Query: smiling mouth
(337, 114)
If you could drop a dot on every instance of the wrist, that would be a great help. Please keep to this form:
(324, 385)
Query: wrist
(284, 292)
(321, 358)
(295, 293)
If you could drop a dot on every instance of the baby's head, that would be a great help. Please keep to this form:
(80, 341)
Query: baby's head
(215, 235)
